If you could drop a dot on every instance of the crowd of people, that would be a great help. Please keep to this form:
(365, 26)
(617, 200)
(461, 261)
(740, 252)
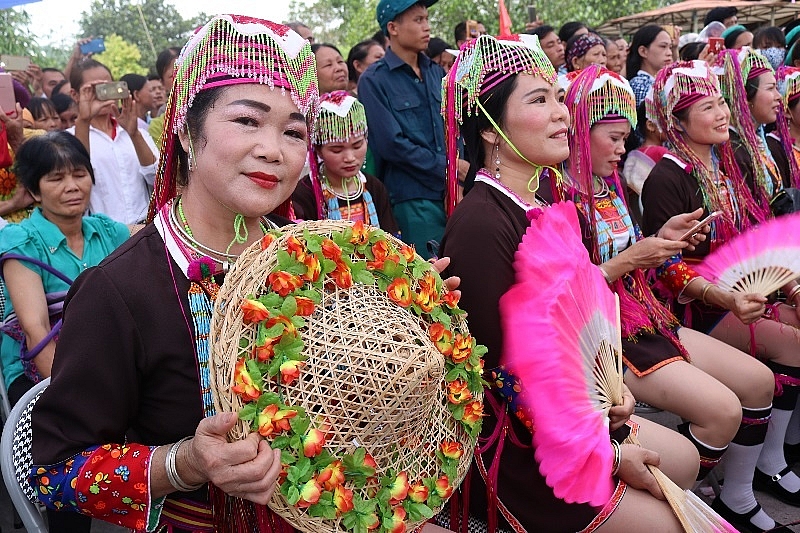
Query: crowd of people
(452, 148)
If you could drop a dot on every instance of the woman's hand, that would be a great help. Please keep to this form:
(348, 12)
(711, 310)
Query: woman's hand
(633, 468)
(451, 283)
(128, 119)
(245, 469)
(88, 105)
(650, 252)
(619, 414)
(747, 307)
(677, 226)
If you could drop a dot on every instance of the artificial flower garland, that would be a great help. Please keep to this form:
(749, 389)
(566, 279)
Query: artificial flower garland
(312, 477)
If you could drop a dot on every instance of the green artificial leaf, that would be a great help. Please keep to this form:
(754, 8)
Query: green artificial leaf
(270, 299)
(294, 495)
(289, 307)
(364, 277)
(248, 412)
(300, 424)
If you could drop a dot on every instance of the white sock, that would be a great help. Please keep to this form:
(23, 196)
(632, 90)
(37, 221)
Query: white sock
(771, 461)
(737, 492)
(793, 431)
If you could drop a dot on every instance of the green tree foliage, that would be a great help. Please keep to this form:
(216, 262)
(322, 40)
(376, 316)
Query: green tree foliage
(345, 22)
(165, 25)
(15, 35)
(121, 57)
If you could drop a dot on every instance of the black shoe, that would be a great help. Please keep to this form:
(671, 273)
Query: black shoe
(741, 521)
(770, 485)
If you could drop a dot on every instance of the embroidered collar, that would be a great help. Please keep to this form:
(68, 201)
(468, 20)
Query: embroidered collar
(482, 177)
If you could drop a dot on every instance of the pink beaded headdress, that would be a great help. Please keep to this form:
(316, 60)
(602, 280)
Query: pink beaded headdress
(789, 87)
(228, 50)
(736, 68)
(677, 87)
(482, 64)
(340, 117)
(594, 94)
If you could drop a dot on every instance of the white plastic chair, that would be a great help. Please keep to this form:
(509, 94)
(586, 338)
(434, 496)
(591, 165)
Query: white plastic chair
(16, 459)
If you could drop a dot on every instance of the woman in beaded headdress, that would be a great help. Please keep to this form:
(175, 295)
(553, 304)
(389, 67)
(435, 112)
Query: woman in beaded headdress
(668, 365)
(701, 172)
(749, 86)
(142, 446)
(336, 188)
(504, 96)
(786, 137)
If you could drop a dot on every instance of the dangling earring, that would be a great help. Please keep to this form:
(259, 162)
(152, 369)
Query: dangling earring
(190, 155)
(497, 161)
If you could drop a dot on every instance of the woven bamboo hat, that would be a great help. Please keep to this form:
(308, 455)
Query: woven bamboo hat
(338, 344)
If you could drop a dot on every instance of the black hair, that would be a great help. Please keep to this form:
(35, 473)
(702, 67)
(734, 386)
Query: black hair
(542, 31)
(164, 58)
(136, 82)
(719, 14)
(76, 74)
(460, 31)
(195, 124)
(379, 38)
(569, 28)
(635, 141)
(436, 46)
(494, 103)
(51, 69)
(751, 87)
(153, 77)
(58, 86)
(359, 52)
(692, 51)
(644, 36)
(39, 106)
(793, 56)
(730, 39)
(317, 46)
(40, 155)
(62, 102)
(769, 35)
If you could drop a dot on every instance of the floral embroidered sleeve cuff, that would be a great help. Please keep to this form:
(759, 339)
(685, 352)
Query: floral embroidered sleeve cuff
(676, 275)
(109, 482)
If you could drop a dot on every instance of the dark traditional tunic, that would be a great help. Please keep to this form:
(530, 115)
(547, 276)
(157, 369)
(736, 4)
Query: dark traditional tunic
(481, 238)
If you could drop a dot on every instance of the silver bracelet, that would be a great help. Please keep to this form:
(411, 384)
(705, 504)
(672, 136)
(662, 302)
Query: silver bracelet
(617, 457)
(172, 472)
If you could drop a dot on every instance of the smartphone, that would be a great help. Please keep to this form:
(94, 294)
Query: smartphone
(115, 90)
(472, 29)
(531, 13)
(7, 100)
(697, 227)
(95, 46)
(716, 45)
(10, 63)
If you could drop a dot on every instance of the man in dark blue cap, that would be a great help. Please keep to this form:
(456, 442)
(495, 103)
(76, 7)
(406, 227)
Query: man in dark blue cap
(402, 95)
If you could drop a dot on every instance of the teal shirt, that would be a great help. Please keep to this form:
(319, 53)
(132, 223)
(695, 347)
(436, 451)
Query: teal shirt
(39, 238)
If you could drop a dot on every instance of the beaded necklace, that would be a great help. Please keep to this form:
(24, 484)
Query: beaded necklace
(605, 235)
(332, 197)
(203, 291)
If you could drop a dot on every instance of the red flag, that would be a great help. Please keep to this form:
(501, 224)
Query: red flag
(505, 19)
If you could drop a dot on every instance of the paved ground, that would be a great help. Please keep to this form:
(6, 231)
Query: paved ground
(779, 511)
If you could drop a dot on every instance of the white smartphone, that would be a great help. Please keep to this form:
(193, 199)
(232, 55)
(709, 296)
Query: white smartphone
(697, 227)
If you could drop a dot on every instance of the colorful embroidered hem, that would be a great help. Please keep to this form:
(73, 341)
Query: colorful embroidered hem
(108, 482)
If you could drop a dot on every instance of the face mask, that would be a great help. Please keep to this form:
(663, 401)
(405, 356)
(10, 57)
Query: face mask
(774, 55)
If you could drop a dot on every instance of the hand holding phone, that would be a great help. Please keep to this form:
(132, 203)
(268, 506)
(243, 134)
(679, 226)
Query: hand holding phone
(115, 90)
(532, 14)
(697, 227)
(95, 46)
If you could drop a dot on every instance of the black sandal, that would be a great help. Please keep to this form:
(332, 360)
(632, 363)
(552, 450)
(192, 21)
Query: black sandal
(741, 521)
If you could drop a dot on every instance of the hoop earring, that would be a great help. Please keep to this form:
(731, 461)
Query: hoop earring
(497, 161)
